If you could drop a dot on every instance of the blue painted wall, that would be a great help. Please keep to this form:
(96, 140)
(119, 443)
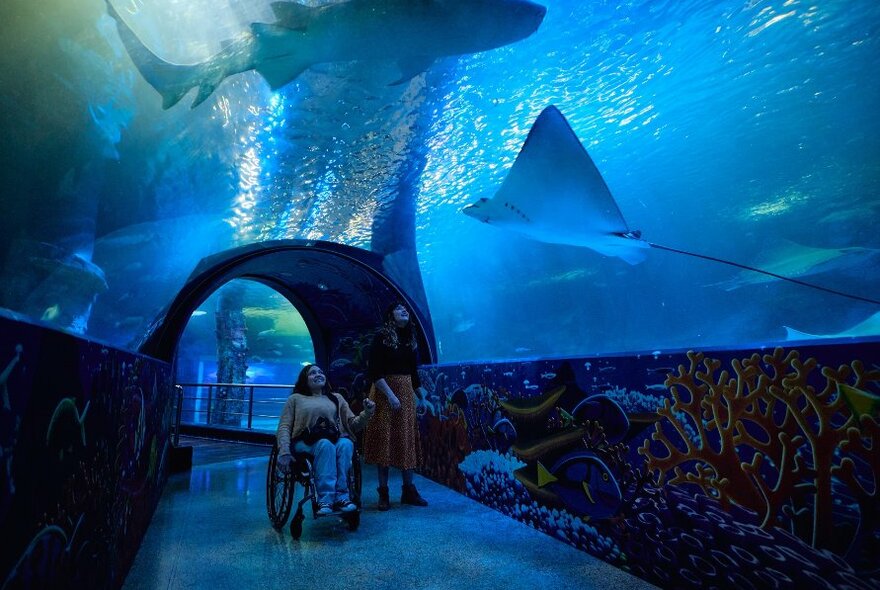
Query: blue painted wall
(85, 442)
(748, 468)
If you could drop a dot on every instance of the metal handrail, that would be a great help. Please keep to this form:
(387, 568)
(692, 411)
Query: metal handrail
(195, 410)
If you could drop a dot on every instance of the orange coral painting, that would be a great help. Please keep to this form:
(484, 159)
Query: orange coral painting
(799, 447)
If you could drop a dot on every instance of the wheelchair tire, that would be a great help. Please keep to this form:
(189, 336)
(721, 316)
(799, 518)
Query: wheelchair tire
(279, 492)
(296, 525)
(353, 520)
(356, 480)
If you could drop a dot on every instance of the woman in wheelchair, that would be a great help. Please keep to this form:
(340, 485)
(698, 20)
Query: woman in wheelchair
(320, 422)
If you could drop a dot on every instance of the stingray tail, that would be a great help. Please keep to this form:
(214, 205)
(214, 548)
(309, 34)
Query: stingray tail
(170, 80)
(766, 272)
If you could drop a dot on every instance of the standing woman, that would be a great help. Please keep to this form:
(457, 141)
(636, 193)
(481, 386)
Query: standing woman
(392, 436)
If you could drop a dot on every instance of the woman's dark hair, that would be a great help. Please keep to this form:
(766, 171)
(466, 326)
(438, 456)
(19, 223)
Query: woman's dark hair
(392, 336)
(302, 382)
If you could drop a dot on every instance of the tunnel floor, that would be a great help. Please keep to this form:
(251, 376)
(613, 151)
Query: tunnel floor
(210, 530)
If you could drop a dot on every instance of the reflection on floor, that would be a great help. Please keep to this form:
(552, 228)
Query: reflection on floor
(211, 531)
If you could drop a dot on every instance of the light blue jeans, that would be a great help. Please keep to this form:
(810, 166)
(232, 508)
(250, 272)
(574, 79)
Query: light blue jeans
(331, 465)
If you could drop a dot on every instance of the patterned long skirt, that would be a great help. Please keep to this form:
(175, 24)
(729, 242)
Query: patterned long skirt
(392, 436)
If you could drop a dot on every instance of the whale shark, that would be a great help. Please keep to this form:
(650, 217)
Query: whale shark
(412, 33)
(554, 193)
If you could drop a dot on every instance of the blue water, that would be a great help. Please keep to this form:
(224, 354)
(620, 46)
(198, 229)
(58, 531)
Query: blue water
(731, 129)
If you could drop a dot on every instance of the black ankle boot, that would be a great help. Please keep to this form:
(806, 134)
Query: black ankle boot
(410, 495)
(384, 500)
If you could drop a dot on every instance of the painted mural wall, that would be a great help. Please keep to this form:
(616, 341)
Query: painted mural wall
(733, 469)
(85, 441)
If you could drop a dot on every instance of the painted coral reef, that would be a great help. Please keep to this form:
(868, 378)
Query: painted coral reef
(795, 445)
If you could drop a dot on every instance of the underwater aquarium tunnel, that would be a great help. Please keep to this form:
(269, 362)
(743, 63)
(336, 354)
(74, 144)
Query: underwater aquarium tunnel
(638, 239)
(340, 291)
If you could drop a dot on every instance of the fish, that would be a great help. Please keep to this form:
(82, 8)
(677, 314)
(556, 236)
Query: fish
(414, 34)
(460, 399)
(533, 408)
(585, 484)
(503, 427)
(580, 480)
(4, 377)
(793, 260)
(45, 561)
(51, 313)
(868, 327)
(861, 402)
(67, 425)
(607, 412)
(554, 193)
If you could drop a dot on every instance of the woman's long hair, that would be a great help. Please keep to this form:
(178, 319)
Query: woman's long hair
(302, 382)
(391, 335)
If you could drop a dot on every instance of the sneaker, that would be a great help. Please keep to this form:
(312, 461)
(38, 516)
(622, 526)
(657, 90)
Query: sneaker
(345, 506)
(324, 510)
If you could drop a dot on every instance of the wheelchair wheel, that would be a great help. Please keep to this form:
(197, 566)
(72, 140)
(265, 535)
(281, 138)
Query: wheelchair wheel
(279, 492)
(296, 525)
(355, 480)
(353, 520)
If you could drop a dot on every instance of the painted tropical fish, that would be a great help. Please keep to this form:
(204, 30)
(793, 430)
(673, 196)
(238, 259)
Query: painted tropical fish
(861, 402)
(66, 426)
(44, 563)
(579, 480)
(4, 377)
(584, 483)
(413, 34)
(605, 411)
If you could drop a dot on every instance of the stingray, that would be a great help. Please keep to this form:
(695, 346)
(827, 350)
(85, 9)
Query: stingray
(554, 193)
(868, 327)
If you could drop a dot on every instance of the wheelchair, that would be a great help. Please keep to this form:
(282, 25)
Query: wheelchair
(281, 492)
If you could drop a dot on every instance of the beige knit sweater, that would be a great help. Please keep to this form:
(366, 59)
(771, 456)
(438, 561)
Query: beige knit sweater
(302, 411)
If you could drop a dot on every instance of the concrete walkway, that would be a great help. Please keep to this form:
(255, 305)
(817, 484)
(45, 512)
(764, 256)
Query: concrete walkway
(211, 531)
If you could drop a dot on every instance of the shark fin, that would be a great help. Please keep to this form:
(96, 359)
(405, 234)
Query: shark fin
(205, 90)
(267, 32)
(170, 80)
(292, 16)
(278, 72)
(412, 67)
(544, 476)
